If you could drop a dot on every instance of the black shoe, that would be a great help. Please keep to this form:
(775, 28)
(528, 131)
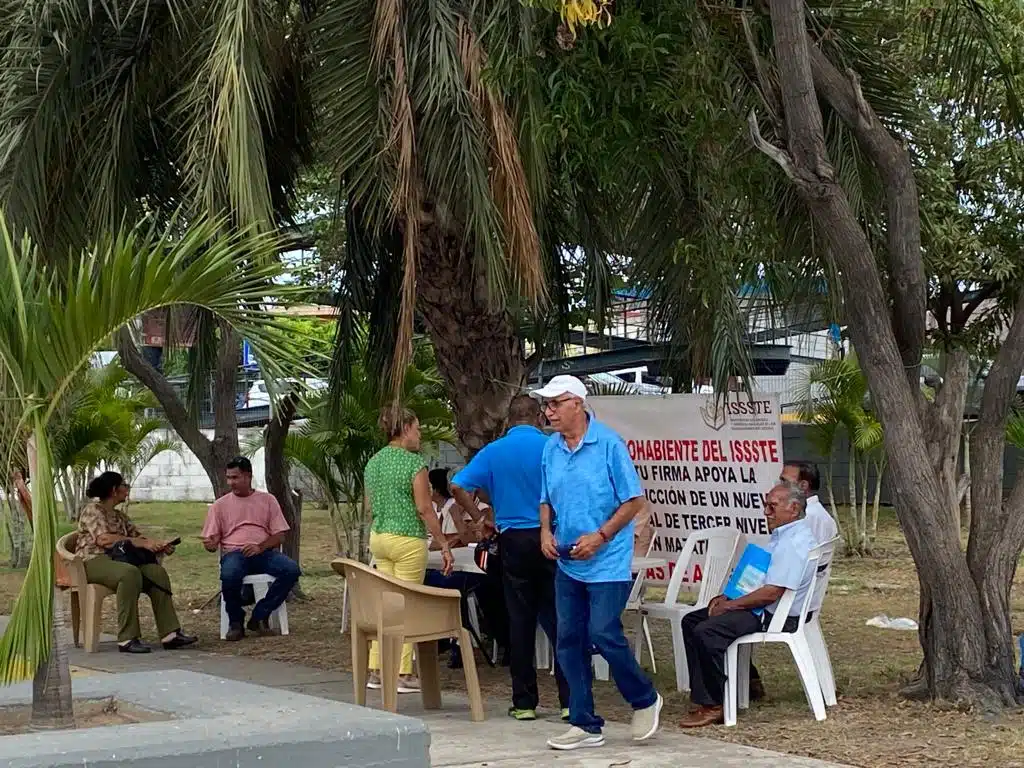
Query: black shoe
(756, 690)
(180, 640)
(135, 646)
(259, 626)
(455, 658)
(235, 632)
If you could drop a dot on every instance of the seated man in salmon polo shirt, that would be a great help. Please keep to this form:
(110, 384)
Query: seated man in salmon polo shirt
(247, 527)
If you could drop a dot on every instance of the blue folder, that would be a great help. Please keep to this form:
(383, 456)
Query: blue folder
(749, 573)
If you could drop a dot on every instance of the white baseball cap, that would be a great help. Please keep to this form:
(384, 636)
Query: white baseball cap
(561, 385)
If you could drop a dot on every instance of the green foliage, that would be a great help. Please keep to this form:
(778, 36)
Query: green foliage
(181, 105)
(1015, 426)
(313, 339)
(53, 318)
(835, 396)
(333, 444)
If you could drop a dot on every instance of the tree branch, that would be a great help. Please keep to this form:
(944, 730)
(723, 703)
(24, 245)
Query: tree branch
(780, 156)
(907, 281)
(1001, 382)
(769, 93)
(870, 322)
(980, 296)
(174, 410)
(806, 132)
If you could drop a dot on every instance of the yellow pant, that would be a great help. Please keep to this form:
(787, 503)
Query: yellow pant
(405, 558)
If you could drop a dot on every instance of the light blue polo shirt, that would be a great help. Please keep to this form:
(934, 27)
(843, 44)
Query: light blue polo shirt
(509, 470)
(585, 487)
(790, 545)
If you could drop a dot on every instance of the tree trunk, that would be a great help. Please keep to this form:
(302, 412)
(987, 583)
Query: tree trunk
(213, 454)
(340, 546)
(965, 618)
(965, 519)
(18, 532)
(832, 498)
(51, 686)
(479, 353)
(854, 525)
(879, 471)
(67, 493)
(278, 482)
(79, 485)
(364, 534)
(865, 541)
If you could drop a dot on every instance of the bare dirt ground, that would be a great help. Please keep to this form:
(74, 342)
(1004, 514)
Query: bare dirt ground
(88, 714)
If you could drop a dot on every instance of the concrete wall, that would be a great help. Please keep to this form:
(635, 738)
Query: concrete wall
(173, 477)
(796, 445)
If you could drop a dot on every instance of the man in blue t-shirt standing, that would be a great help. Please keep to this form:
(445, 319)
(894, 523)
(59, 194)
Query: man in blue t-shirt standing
(508, 470)
(590, 493)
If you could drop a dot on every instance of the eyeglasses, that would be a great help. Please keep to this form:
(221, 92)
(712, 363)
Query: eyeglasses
(551, 405)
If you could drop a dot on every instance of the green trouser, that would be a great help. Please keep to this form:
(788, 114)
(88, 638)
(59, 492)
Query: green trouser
(127, 581)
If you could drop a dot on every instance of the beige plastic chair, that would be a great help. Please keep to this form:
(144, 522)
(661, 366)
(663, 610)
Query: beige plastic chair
(394, 612)
(84, 596)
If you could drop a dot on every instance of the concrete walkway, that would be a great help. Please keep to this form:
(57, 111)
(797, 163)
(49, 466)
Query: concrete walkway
(456, 742)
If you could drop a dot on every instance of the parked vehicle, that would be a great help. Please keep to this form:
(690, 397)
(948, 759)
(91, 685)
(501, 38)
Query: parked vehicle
(633, 385)
(259, 395)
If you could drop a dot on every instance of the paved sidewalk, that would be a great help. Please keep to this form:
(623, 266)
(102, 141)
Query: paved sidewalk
(456, 742)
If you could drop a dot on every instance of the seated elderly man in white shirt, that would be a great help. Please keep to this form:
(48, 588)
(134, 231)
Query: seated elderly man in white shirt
(805, 474)
(710, 631)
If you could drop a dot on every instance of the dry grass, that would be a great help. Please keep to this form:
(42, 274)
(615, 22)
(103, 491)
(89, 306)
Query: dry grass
(871, 726)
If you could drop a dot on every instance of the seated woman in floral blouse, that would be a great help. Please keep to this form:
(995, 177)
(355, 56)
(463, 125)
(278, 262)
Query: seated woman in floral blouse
(100, 526)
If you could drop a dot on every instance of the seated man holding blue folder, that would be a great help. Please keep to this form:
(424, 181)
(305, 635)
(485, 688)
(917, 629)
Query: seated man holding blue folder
(761, 578)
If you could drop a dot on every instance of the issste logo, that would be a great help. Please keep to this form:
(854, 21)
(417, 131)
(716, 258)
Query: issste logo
(713, 413)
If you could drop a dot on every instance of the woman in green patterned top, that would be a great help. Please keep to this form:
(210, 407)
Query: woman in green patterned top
(398, 496)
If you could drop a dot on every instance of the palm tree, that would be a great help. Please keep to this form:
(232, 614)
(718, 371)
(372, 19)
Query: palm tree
(492, 167)
(337, 439)
(132, 109)
(52, 319)
(17, 525)
(102, 422)
(835, 396)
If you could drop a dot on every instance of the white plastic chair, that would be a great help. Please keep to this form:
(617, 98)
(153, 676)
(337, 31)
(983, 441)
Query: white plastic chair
(260, 585)
(634, 605)
(719, 553)
(544, 656)
(812, 626)
(808, 661)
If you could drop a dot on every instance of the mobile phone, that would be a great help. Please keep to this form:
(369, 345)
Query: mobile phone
(565, 551)
(174, 543)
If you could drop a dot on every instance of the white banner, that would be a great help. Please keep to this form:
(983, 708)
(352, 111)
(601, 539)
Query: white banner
(702, 464)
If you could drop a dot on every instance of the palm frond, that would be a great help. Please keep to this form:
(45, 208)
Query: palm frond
(53, 318)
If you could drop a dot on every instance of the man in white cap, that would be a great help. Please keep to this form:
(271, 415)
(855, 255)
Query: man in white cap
(590, 493)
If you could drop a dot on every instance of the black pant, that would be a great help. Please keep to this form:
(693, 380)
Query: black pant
(464, 581)
(529, 580)
(707, 638)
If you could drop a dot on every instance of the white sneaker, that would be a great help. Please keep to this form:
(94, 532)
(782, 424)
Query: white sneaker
(373, 681)
(408, 684)
(576, 738)
(646, 721)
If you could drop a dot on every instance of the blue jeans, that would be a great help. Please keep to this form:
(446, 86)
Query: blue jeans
(234, 566)
(590, 615)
